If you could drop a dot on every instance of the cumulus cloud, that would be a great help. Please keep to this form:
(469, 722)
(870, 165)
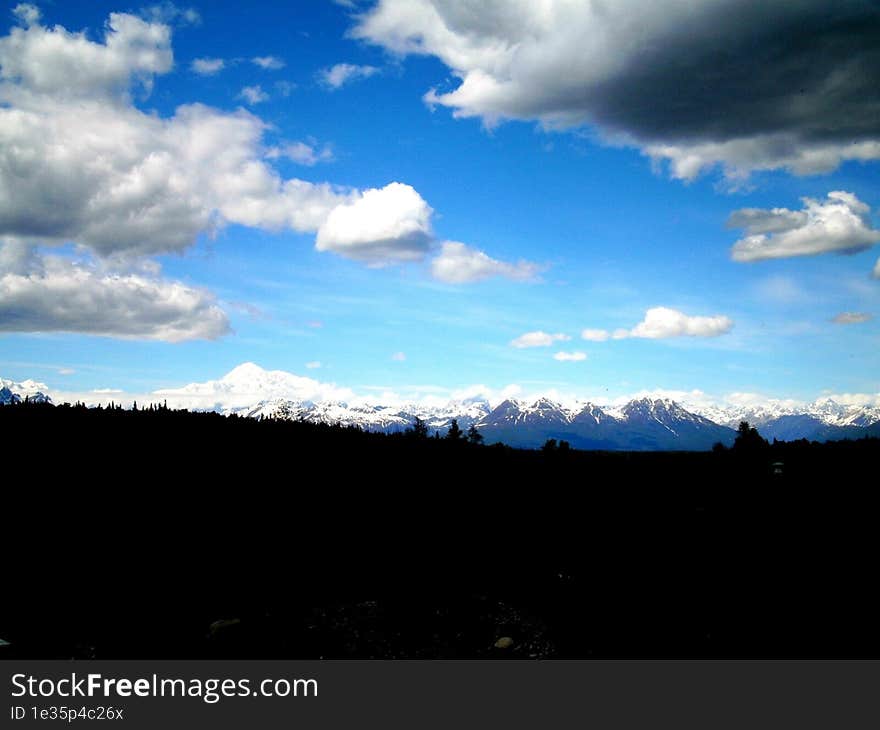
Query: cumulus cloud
(82, 164)
(461, 264)
(59, 295)
(570, 356)
(303, 153)
(123, 182)
(341, 74)
(538, 339)
(696, 84)
(852, 318)
(253, 94)
(663, 322)
(379, 226)
(269, 63)
(42, 61)
(207, 66)
(594, 335)
(127, 183)
(838, 224)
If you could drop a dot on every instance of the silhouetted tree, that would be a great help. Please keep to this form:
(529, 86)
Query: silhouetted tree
(419, 429)
(748, 439)
(474, 436)
(564, 446)
(549, 445)
(454, 433)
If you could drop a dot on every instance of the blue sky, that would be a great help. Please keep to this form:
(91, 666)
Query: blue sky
(588, 213)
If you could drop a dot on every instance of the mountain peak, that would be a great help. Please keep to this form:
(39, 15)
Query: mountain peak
(245, 371)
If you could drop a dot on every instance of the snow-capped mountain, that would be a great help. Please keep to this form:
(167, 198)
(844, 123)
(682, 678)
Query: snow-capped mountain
(639, 424)
(12, 392)
(388, 419)
(244, 388)
(822, 420)
(513, 413)
(826, 410)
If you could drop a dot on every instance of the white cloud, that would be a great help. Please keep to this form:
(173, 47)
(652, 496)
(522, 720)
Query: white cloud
(66, 371)
(253, 94)
(595, 335)
(760, 152)
(37, 60)
(852, 318)
(124, 182)
(207, 66)
(170, 14)
(59, 295)
(538, 339)
(343, 73)
(399, 356)
(876, 271)
(570, 356)
(269, 63)
(127, 184)
(852, 399)
(663, 322)
(379, 226)
(303, 153)
(313, 365)
(838, 224)
(461, 264)
(27, 13)
(661, 75)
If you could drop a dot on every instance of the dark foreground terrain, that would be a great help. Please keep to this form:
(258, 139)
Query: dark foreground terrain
(170, 534)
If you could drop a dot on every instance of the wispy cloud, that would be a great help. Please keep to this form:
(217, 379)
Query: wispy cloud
(852, 318)
(208, 66)
(538, 339)
(570, 356)
(303, 153)
(458, 263)
(337, 76)
(269, 63)
(253, 94)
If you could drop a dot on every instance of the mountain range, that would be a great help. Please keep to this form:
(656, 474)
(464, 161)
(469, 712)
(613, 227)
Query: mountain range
(640, 424)
(12, 392)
